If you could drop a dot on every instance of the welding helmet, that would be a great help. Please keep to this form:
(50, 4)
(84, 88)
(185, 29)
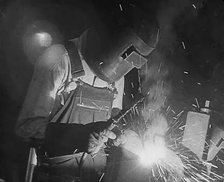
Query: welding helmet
(111, 54)
(38, 36)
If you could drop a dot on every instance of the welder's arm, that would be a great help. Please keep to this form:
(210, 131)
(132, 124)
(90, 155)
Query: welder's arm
(48, 76)
(88, 138)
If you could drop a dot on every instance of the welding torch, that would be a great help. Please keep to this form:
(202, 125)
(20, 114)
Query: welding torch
(116, 126)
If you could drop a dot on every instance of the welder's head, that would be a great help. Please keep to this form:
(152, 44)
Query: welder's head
(38, 36)
(112, 53)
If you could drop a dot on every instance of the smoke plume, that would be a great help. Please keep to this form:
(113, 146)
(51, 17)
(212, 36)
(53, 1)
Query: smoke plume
(157, 83)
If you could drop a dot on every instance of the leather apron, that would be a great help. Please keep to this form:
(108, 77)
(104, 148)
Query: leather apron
(85, 104)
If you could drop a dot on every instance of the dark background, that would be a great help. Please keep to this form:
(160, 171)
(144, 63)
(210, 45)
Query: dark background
(193, 70)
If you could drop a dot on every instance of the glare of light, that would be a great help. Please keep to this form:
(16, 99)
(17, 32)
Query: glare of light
(152, 152)
(44, 39)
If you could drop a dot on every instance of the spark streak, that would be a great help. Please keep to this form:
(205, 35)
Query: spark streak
(139, 82)
(183, 45)
(132, 85)
(197, 102)
(194, 6)
(120, 7)
(101, 177)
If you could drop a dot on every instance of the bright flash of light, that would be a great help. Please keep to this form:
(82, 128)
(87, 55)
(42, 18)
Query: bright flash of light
(152, 153)
(44, 39)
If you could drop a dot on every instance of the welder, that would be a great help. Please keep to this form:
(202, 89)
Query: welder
(76, 90)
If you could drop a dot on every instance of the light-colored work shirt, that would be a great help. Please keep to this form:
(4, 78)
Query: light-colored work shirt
(52, 73)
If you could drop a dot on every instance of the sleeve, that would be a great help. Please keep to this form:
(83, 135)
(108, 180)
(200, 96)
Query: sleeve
(118, 101)
(49, 74)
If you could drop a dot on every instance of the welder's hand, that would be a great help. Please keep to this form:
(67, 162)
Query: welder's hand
(98, 134)
(120, 139)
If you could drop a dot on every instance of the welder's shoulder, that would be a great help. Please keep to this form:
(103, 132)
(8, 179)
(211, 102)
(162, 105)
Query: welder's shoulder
(52, 55)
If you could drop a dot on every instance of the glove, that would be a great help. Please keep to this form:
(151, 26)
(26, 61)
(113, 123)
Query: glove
(98, 134)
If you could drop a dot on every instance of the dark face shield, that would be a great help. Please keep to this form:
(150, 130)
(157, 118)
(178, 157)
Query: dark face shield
(120, 54)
